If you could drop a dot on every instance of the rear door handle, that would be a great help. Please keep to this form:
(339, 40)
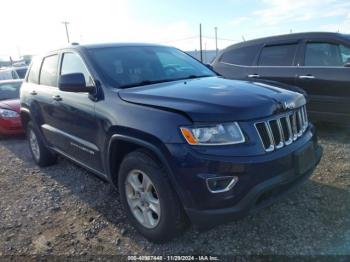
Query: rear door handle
(254, 76)
(307, 77)
(57, 98)
(33, 93)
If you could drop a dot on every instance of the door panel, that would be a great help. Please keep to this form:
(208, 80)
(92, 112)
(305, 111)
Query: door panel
(234, 71)
(285, 75)
(76, 126)
(74, 118)
(43, 92)
(326, 80)
(328, 89)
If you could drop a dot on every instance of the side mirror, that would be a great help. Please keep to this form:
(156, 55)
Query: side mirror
(73, 83)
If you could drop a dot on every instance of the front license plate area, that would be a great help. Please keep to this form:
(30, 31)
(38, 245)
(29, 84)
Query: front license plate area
(305, 159)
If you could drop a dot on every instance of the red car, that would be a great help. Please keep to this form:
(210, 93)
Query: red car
(10, 121)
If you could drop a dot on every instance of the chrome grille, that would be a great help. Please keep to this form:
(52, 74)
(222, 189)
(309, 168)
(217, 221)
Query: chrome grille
(282, 131)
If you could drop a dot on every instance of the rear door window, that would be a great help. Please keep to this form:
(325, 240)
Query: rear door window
(240, 56)
(48, 73)
(326, 54)
(278, 55)
(33, 75)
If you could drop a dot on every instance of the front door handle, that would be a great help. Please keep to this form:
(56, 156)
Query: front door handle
(307, 77)
(33, 93)
(57, 98)
(254, 76)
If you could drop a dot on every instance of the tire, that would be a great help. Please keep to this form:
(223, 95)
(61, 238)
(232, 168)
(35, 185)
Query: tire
(171, 220)
(40, 153)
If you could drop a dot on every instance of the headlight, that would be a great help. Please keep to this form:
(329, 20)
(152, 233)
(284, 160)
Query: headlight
(5, 113)
(219, 134)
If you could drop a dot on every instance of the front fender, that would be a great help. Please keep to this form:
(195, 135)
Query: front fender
(156, 147)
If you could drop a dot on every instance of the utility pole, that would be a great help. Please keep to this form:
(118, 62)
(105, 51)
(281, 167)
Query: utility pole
(216, 40)
(19, 52)
(200, 42)
(66, 26)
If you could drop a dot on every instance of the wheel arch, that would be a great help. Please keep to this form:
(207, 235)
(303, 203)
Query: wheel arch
(120, 145)
(127, 144)
(25, 117)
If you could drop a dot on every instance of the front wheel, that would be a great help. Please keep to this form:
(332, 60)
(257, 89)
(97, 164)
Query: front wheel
(40, 153)
(148, 198)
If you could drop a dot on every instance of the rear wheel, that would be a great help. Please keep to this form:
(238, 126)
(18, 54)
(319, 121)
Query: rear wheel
(40, 153)
(148, 198)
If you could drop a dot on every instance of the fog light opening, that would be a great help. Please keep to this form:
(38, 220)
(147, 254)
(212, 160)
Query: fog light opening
(221, 184)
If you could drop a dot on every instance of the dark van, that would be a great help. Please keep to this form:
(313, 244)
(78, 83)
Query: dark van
(316, 62)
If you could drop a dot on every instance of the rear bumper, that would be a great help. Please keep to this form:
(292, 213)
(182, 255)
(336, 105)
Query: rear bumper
(258, 197)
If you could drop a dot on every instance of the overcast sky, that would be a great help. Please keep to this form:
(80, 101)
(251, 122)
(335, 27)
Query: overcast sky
(34, 26)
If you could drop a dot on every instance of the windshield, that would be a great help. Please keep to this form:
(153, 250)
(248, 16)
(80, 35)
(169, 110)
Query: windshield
(142, 65)
(9, 90)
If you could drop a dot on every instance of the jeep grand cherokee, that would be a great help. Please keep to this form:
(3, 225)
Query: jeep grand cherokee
(181, 144)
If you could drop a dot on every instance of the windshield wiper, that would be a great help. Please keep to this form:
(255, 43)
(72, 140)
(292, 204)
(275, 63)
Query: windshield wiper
(196, 76)
(151, 82)
(147, 82)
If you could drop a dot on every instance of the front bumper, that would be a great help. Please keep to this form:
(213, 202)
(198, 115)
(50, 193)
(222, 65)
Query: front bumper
(258, 197)
(11, 126)
(262, 179)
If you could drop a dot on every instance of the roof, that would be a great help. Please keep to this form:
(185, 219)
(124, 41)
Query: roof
(107, 45)
(291, 37)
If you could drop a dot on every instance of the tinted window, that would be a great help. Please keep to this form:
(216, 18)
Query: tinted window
(48, 73)
(72, 63)
(14, 75)
(240, 56)
(128, 66)
(326, 54)
(33, 76)
(278, 55)
(6, 75)
(21, 72)
(9, 91)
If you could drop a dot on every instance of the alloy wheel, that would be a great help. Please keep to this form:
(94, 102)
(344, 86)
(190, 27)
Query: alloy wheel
(142, 198)
(34, 145)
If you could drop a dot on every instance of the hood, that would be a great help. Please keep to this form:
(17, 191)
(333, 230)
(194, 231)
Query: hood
(13, 104)
(213, 99)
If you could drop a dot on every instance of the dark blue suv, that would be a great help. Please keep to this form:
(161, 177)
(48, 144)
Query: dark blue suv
(181, 143)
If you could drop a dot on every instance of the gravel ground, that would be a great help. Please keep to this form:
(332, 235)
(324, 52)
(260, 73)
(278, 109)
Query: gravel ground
(64, 210)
